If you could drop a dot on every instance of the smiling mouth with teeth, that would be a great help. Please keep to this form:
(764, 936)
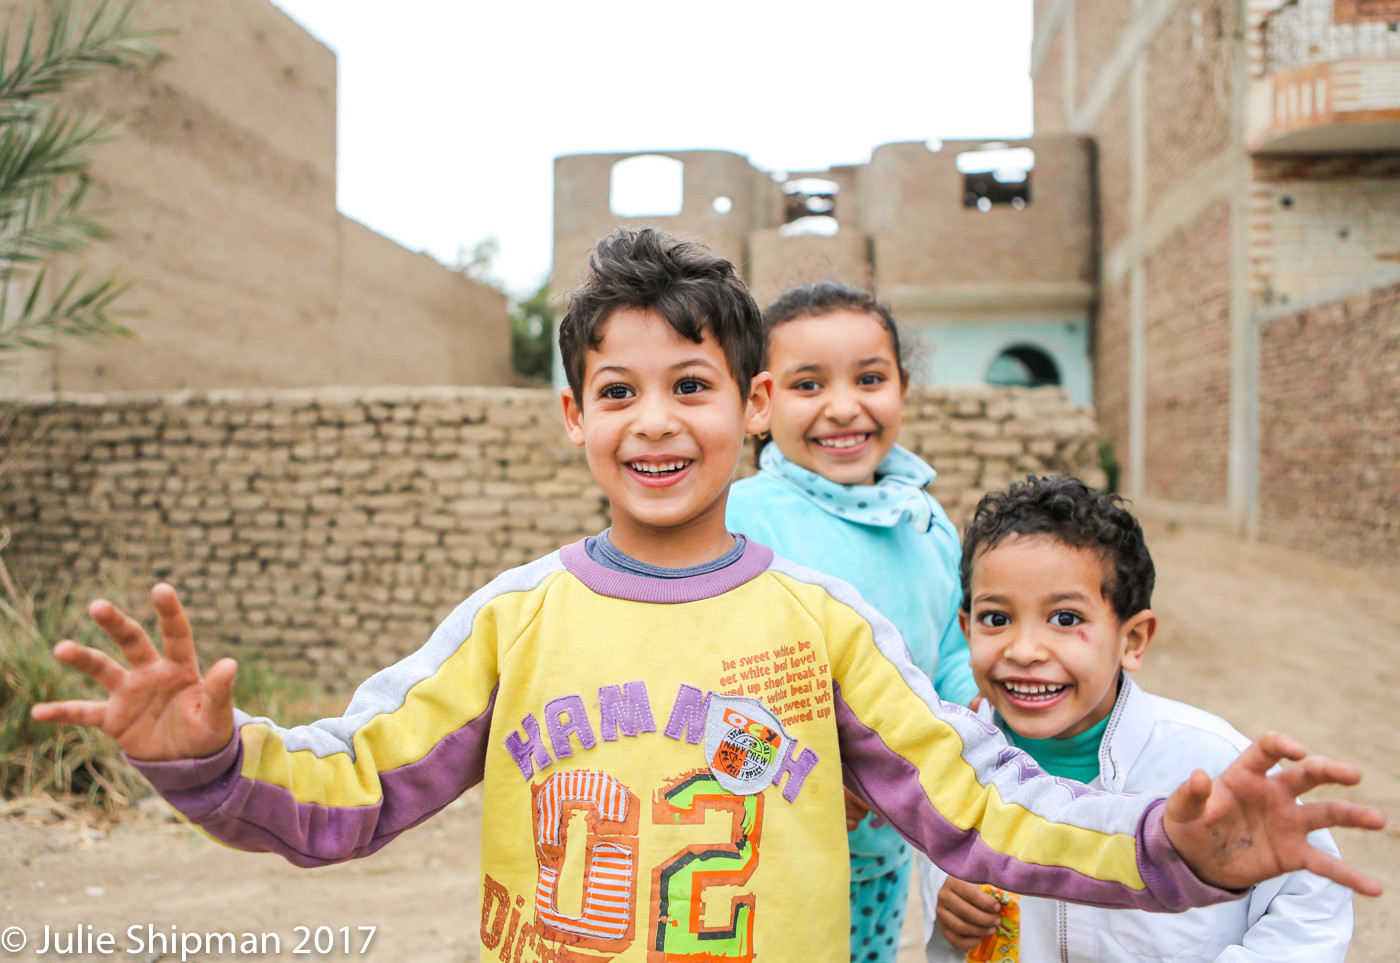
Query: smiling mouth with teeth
(658, 469)
(843, 441)
(1032, 693)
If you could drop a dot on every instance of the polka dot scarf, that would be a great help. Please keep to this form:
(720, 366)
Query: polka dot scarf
(897, 495)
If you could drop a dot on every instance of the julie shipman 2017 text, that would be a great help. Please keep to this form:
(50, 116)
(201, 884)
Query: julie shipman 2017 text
(148, 938)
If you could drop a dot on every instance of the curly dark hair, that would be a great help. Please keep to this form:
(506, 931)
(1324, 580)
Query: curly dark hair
(1070, 512)
(691, 287)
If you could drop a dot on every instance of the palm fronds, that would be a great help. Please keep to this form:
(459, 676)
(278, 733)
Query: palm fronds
(46, 146)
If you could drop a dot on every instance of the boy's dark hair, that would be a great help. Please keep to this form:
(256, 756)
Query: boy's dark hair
(691, 287)
(818, 300)
(826, 297)
(1071, 512)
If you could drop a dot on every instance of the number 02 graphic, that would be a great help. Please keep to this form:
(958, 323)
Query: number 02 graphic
(678, 934)
(678, 883)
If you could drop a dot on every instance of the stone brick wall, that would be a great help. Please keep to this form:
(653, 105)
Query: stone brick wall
(1099, 27)
(1188, 94)
(1115, 168)
(328, 531)
(1319, 222)
(1112, 352)
(1329, 426)
(1049, 90)
(1188, 362)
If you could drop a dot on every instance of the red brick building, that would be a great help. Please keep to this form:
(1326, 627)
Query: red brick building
(1247, 335)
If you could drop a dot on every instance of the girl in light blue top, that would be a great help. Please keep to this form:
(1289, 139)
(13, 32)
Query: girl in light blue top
(835, 493)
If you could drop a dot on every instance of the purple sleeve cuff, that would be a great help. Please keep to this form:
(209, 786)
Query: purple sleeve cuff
(1167, 875)
(183, 775)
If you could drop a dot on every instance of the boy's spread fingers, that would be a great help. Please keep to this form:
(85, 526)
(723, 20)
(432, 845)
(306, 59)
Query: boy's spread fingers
(218, 685)
(1270, 749)
(73, 712)
(1346, 815)
(1316, 771)
(100, 666)
(125, 631)
(1188, 802)
(1331, 867)
(177, 639)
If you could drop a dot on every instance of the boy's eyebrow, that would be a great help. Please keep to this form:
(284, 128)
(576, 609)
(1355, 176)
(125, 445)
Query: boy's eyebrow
(1051, 599)
(624, 370)
(799, 368)
(1068, 597)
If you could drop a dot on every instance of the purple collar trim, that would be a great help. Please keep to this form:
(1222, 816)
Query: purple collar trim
(639, 588)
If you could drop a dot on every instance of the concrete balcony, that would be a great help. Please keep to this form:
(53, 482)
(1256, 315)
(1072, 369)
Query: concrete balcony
(1331, 84)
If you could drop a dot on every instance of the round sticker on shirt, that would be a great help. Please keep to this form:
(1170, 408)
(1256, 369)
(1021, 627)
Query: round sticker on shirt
(744, 743)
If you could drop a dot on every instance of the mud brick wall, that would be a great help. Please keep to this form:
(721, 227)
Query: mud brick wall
(326, 532)
(1329, 428)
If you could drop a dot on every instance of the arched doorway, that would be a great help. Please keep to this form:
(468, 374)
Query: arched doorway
(1023, 366)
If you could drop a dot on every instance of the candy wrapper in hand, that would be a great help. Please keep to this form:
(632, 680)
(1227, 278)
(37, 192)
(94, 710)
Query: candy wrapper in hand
(1003, 946)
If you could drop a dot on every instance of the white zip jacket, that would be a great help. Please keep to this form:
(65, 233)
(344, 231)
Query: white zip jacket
(1152, 745)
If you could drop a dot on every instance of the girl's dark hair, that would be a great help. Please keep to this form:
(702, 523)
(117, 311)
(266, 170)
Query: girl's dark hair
(815, 301)
(1070, 512)
(828, 297)
(691, 287)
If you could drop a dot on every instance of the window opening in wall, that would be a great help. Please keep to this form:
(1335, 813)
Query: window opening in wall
(809, 207)
(648, 185)
(996, 174)
(722, 205)
(807, 199)
(1023, 366)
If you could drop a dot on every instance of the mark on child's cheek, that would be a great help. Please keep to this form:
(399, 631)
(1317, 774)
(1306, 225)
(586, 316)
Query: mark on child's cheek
(1081, 633)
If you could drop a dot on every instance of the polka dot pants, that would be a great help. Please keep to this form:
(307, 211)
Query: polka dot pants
(877, 915)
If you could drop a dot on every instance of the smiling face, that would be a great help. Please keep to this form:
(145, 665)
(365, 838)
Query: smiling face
(838, 394)
(1046, 643)
(662, 424)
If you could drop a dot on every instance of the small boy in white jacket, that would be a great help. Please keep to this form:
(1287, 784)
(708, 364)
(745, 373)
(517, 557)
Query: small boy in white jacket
(1057, 583)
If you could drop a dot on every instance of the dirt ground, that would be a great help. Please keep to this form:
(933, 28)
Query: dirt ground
(1263, 636)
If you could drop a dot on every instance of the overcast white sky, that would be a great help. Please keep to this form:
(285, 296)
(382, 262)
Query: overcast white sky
(451, 113)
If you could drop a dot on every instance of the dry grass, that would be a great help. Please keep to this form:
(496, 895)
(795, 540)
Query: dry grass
(72, 765)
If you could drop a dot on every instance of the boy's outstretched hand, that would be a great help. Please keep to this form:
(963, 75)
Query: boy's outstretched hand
(1246, 825)
(159, 708)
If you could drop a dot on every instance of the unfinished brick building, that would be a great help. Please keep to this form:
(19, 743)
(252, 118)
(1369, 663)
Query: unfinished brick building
(1210, 224)
(1247, 336)
(222, 192)
(986, 250)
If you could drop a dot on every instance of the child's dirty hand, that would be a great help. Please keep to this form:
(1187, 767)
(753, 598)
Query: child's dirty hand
(966, 913)
(159, 708)
(1246, 825)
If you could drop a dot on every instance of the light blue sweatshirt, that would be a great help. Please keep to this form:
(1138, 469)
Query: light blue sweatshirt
(895, 544)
